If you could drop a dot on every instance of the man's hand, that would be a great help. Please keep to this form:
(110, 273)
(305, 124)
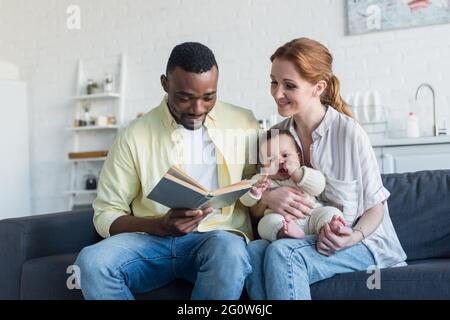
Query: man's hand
(288, 202)
(179, 222)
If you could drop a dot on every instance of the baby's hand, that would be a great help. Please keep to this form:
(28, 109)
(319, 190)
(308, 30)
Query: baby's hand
(336, 223)
(260, 186)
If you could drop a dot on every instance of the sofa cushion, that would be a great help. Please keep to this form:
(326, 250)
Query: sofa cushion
(420, 211)
(45, 279)
(424, 279)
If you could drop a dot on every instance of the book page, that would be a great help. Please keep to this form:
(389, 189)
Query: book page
(186, 184)
(228, 198)
(180, 174)
(244, 184)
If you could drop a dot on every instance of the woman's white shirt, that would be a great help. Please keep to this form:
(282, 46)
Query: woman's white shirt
(342, 151)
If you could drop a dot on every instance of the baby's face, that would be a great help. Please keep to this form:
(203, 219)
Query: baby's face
(274, 155)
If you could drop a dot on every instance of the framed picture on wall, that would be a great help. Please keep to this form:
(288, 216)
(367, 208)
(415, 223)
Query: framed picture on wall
(365, 16)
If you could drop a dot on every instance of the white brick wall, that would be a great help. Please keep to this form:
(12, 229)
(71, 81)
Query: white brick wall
(242, 33)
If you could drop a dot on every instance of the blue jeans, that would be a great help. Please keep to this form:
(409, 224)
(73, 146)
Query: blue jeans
(115, 268)
(285, 268)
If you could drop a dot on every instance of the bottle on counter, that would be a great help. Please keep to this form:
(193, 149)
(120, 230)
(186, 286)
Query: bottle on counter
(358, 107)
(372, 106)
(412, 126)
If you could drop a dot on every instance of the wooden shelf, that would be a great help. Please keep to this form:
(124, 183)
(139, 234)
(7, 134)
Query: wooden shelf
(88, 154)
(98, 96)
(93, 128)
(75, 192)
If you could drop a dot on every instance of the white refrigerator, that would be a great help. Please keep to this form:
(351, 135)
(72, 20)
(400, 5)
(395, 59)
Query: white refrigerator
(14, 150)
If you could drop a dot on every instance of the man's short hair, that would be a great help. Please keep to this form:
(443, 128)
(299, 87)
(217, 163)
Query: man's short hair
(191, 57)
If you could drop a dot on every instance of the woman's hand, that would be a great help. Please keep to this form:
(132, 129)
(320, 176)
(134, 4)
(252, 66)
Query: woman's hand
(332, 238)
(288, 202)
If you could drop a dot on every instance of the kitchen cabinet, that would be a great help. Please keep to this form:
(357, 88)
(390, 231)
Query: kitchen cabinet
(410, 155)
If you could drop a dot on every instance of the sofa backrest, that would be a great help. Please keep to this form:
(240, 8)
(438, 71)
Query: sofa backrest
(419, 207)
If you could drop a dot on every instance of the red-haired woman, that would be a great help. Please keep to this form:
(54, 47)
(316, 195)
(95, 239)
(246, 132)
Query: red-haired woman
(307, 92)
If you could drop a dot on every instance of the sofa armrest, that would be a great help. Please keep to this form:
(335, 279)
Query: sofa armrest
(32, 237)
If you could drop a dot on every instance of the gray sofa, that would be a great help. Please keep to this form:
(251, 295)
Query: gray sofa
(35, 252)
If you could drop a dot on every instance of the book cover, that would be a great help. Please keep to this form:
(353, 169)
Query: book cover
(177, 190)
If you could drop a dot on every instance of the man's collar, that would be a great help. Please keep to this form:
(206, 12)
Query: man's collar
(166, 116)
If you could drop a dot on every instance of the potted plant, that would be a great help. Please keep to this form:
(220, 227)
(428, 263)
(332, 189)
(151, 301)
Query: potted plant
(91, 86)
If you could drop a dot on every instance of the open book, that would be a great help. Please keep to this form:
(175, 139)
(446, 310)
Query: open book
(177, 190)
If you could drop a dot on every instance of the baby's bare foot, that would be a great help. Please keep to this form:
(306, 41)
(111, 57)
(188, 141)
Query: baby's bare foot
(291, 230)
(336, 225)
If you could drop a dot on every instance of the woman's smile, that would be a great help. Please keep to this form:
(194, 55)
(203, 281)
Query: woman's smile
(282, 103)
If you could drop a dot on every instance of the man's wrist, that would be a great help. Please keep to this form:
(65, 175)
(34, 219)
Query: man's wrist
(155, 227)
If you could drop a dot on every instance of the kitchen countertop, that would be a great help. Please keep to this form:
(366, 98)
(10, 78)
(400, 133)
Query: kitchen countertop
(390, 142)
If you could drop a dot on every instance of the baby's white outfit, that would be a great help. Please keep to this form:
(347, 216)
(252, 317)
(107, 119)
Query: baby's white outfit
(313, 184)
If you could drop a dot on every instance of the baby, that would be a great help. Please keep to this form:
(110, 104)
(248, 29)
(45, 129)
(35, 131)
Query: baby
(281, 158)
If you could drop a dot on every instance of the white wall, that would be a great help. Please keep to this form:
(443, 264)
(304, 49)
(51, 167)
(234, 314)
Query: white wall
(14, 163)
(242, 33)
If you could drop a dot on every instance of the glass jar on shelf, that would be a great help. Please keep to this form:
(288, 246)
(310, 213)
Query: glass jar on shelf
(91, 86)
(86, 119)
(112, 120)
(90, 181)
(108, 84)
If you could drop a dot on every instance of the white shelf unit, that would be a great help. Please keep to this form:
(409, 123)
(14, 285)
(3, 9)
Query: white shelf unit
(76, 192)
(116, 101)
(93, 128)
(97, 96)
(101, 159)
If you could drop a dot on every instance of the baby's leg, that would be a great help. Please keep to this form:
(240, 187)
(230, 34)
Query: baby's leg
(321, 216)
(269, 226)
(291, 229)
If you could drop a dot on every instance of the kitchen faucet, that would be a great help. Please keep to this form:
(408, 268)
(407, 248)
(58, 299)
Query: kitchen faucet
(436, 129)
